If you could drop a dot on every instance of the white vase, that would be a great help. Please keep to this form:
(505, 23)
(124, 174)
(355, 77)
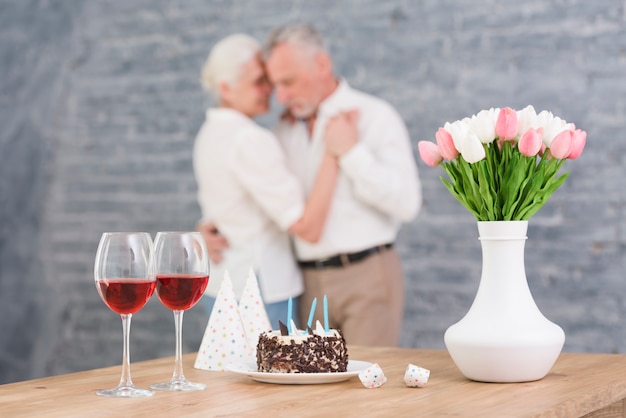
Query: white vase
(504, 337)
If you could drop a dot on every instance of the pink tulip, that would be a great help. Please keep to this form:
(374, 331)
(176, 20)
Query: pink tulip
(446, 144)
(561, 144)
(579, 139)
(506, 125)
(429, 153)
(530, 143)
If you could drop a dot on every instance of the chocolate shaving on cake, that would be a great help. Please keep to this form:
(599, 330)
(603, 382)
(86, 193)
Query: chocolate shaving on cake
(284, 331)
(314, 354)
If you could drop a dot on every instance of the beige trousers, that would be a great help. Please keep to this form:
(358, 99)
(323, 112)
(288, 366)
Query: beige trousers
(365, 299)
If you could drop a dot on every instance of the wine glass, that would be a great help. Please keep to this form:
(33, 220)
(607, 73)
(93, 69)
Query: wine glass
(125, 281)
(181, 265)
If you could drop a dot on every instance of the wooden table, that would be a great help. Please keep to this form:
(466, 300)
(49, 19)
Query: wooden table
(578, 385)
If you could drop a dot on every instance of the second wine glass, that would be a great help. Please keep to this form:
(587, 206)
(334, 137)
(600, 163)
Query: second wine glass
(182, 274)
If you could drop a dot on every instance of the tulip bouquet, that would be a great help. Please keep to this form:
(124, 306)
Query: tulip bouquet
(502, 164)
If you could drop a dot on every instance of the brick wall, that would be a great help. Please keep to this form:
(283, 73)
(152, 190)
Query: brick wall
(100, 103)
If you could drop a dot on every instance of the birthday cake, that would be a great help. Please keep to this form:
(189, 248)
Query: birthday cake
(309, 351)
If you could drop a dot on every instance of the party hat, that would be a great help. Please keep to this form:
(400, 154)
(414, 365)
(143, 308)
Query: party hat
(252, 312)
(224, 341)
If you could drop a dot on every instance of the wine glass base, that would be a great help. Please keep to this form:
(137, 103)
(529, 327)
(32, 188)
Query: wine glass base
(125, 392)
(178, 386)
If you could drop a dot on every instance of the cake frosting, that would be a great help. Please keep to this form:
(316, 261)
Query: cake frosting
(311, 351)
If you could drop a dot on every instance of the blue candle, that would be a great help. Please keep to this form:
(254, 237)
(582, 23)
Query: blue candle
(313, 306)
(289, 314)
(326, 329)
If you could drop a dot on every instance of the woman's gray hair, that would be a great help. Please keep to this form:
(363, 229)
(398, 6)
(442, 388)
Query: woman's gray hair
(226, 59)
(301, 34)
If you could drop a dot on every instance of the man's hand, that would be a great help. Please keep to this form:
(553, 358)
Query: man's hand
(342, 132)
(215, 242)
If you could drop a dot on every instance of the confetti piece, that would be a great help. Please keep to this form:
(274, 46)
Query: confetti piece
(373, 377)
(415, 376)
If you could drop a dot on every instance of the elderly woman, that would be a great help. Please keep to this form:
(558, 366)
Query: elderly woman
(244, 186)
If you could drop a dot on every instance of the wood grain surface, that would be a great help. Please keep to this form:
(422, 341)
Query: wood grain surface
(578, 385)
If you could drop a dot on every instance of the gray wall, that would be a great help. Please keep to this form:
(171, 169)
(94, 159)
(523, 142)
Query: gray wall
(100, 103)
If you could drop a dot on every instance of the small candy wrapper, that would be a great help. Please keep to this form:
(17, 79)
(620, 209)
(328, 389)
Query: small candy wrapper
(415, 376)
(373, 377)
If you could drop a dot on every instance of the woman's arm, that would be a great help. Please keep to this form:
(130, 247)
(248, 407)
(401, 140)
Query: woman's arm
(311, 224)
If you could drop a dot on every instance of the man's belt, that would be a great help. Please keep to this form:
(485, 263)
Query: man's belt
(343, 260)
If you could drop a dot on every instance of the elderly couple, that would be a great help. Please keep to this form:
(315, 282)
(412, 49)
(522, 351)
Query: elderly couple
(315, 206)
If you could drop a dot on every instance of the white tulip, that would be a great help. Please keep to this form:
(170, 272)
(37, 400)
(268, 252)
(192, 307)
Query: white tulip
(483, 125)
(473, 150)
(526, 119)
(456, 132)
(466, 141)
(552, 126)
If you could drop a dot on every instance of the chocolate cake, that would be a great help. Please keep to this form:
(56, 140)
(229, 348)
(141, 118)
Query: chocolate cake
(314, 352)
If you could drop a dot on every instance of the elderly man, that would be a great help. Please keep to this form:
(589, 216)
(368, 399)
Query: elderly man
(354, 263)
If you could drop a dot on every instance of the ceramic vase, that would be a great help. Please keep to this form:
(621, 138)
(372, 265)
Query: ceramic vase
(504, 337)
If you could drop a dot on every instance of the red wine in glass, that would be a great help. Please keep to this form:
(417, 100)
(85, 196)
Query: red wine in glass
(125, 296)
(125, 281)
(180, 292)
(181, 266)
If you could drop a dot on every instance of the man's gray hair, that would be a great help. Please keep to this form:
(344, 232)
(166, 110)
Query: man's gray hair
(301, 34)
(226, 59)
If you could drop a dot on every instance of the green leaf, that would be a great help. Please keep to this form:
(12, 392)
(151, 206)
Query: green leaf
(486, 192)
(506, 185)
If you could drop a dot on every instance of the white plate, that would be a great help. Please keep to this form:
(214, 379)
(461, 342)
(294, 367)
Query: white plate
(354, 367)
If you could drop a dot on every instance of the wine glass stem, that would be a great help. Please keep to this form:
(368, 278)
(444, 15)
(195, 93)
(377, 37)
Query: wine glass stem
(125, 379)
(178, 367)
